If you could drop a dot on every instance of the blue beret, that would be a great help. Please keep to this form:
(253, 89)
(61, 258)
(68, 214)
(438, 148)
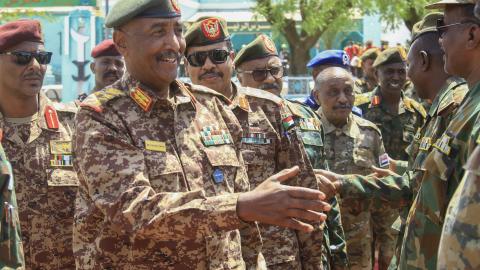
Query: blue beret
(330, 57)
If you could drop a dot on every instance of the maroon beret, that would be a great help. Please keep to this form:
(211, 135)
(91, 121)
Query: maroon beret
(16, 32)
(105, 48)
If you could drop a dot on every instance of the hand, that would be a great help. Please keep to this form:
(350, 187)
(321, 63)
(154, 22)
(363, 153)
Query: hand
(381, 173)
(325, 185)
(276, 204)
(329, 177)
(392, 164)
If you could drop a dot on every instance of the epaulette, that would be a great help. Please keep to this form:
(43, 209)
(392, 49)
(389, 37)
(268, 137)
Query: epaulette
(299, 109)
(258, 93)
(455, 96)
(412, 105)
(200, 89)
(96, 100)
(362, 99)
(365, 123)
(65, 107)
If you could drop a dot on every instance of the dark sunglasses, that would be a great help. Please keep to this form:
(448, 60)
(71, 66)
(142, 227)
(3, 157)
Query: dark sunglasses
(442, 28)
(24, 58)
(217, 56)
(259, 75)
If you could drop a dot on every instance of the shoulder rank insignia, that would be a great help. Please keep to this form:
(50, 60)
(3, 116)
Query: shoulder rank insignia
(243, 103)
(61, 152)
(443, 144)
(425, 143)
(214, 136)
(97, 99)
(51, 118)
(310, 124)
(141, 98)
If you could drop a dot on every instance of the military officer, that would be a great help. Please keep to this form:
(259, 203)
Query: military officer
(352, 145)
(11, 248)
(162, 182)
(369, 80)
(37, 141)
(259, 115)
(253, 63)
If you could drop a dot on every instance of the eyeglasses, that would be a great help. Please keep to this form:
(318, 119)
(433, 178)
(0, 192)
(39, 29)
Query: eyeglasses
(217, 56)
(24, 58)
(442, 29)
(259, 75)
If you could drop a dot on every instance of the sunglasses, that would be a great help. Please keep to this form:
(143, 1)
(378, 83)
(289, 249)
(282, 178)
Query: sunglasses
(217, 56)
(24, 58)
(259, 75)
(442, 28)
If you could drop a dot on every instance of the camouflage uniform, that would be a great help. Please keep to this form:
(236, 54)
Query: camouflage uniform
(362, 86)
(443, 107)
(39, 149)
(159, 181)
(460, 242)
(440, 180)
(398, 131)
(353, 149)
(11, 248)
(308, 129)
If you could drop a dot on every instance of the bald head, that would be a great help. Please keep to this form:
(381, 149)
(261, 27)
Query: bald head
(334, 93)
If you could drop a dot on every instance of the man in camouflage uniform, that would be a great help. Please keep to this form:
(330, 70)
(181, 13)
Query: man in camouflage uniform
(352, 145)
(37, 142)
(460, 242)
(162, 182)
(255, 65)
(11, 248)
(369, 81)
(398, 117)
(264, 148)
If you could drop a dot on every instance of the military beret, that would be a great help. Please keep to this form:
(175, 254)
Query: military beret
(126, 10)
(105, 48)
(16, 32)
(206, 31)
(330, 57)
(371, 53)
(444, 3)
(260, 47)
(427, 25)
(389, 56)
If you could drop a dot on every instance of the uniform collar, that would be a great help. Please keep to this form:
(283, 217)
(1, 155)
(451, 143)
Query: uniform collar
(442, 94)
(239, 100)
(376, 100)
(350, 128)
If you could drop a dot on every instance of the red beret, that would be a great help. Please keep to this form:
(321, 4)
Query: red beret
(105, 48)
(16, 32)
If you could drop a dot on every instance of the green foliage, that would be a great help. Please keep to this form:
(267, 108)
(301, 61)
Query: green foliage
(7, 16)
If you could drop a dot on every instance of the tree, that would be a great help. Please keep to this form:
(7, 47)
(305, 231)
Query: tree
(303, 22)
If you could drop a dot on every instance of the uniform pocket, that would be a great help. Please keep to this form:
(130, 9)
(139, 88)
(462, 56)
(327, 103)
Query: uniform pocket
(164, 172)
(224, 251)
(223, 168)
(364, 158)
(62, 190)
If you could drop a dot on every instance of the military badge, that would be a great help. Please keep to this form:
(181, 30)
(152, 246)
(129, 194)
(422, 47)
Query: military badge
(218, 176)
(383, 160)
(211, 28)
(51, 118)
(61, 161)
(60, 147)
(141, 98)
(256, 138)
(212, 136)
(376, 101)
(443, 144)
(155, 146)
(269, 45)
(312, 124)
(175, 6)
(61, 153)
(425, 143)
(243, 103)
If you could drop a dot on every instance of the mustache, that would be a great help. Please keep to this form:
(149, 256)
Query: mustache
(343, 106)
(33, 76)
(268, 86)
(168, 55)
(110, 73)
(211, 72)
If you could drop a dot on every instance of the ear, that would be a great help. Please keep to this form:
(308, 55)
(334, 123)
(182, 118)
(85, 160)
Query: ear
(120, 42)
(92, 67)
(473, 37)
(425, 58)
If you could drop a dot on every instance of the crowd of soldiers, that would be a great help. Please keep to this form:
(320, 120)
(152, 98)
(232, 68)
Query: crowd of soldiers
(149, 172)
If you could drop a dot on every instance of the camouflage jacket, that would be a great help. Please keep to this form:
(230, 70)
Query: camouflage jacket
(266, 152)
(159, 181)
(307, 126)
(460, 241)
(40, 152)
(362, 86)
(398, 128)
(11, 248)
(443, 174)
(353, 149)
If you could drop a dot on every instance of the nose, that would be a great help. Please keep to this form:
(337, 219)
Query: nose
(208, 64)
(342, 98)
(269, 78)
(173, 42)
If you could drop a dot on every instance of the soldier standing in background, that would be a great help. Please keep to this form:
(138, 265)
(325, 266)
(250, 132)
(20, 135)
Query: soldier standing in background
(369, 80)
